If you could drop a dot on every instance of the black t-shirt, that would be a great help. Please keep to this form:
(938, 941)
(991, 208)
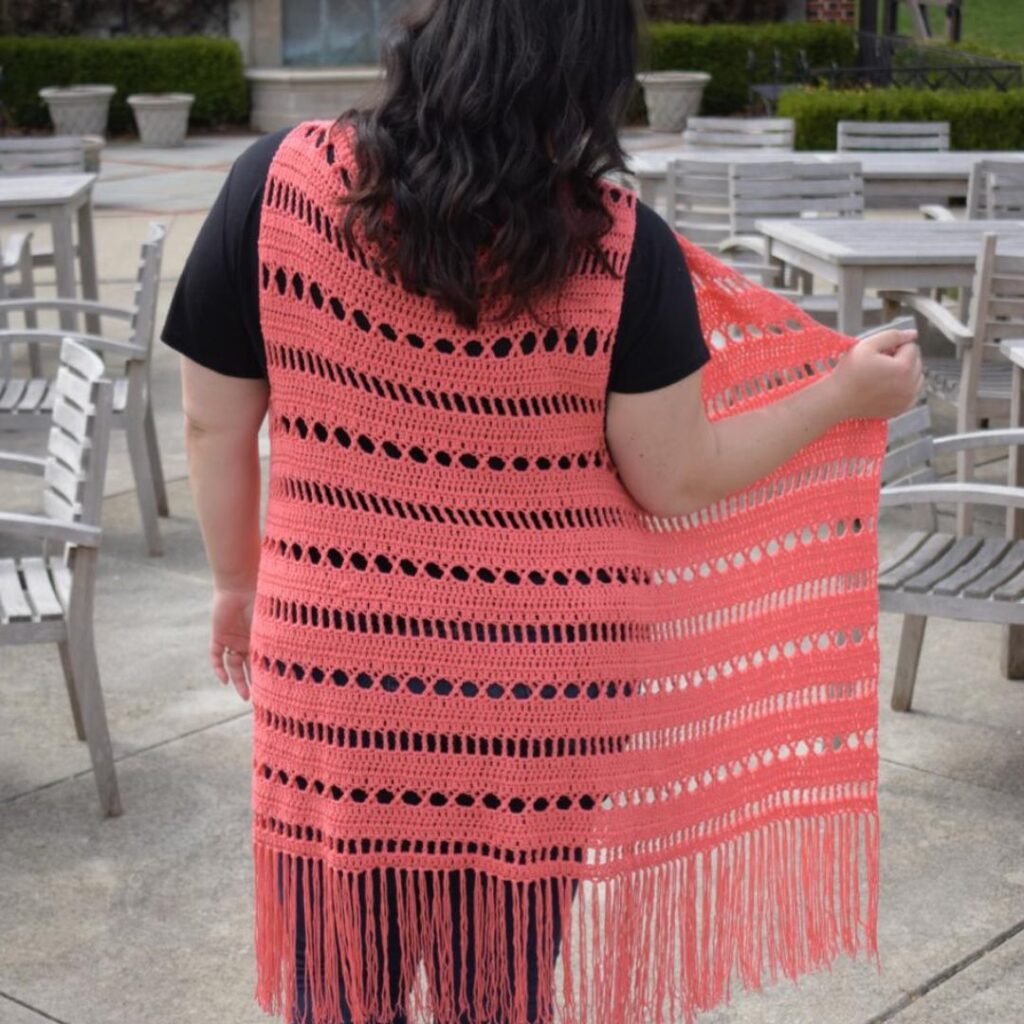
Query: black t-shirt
(214, 313)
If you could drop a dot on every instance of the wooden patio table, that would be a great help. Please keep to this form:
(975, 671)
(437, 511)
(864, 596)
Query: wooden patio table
(857, 254)
(60, 199)
(920, 177)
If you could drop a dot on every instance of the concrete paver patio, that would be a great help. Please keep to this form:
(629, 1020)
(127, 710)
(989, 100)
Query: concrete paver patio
(147, 917)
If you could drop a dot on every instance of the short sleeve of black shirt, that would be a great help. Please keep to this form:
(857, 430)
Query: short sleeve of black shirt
(214, 316)
(214, 312)
(660, 340)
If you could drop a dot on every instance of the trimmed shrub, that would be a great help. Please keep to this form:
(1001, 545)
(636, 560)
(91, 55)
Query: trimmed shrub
(209, 68)
(722, 51)
(979, 118)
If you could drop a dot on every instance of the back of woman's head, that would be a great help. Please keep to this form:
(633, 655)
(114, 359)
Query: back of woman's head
(478, 170)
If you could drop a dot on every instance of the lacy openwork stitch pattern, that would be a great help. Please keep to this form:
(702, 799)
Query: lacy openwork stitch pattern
(471, 648)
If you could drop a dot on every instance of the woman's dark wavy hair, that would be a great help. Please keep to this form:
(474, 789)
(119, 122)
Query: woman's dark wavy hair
(479, 167)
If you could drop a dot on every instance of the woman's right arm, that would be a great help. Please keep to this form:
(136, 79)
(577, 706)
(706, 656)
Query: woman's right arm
(674, 460)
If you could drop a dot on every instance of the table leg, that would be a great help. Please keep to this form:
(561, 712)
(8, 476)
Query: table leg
(87, 262)
(1013, 636)
(64, 264)
(851, 300)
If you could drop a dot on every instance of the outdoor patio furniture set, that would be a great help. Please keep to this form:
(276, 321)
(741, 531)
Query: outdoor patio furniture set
(101, 383)
(782, 217)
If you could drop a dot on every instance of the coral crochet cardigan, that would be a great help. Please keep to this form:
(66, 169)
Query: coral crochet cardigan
(473, 649)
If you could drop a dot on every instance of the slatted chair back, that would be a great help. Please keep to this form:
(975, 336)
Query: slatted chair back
(56, 154)
(793, 189)
(740, 133)
(147, 286)
(909, 448)
(698, 201)
(76, 451)
(997, 302)
(1005, 195)
(996, 203)
(864, 136)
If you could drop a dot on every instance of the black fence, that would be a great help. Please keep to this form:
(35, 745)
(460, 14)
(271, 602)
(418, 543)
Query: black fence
(890, 61)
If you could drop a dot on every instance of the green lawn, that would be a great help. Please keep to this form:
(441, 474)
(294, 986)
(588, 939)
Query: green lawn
(996, 23)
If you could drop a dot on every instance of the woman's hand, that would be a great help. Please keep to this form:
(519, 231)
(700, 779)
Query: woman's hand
(881, 376)
(229, 638)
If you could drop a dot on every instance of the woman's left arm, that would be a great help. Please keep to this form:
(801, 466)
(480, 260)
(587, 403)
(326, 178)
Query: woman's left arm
(222, 421)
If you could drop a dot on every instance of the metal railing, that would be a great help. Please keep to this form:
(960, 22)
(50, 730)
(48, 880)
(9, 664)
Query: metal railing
(887, 61)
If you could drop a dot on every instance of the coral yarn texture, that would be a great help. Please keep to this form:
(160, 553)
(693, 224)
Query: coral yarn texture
(471, 648)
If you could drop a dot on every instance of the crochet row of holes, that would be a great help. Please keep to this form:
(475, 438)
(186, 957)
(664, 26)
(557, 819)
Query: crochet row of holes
(417, 685)
(299, 613)
(765, 383)
(310, 491)
(440, 686)
(663, 738)
(816, 746)
(406, 741)
(416, 453)
(719, 337)
(770, 603)
(428, 847)
(296, 286)
(770, 653)
(809, 476)
(753, 711)
(291, 357)
(756, 552)
(433, 798)
(389, 564)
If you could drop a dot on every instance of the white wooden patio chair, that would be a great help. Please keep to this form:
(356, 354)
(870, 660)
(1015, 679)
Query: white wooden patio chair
(50, 154)
(976, 379)
(25, 402)
(740, 133)
(985, 200)
(790, 189)
(881, 136)
(957, 575)
(48, 597)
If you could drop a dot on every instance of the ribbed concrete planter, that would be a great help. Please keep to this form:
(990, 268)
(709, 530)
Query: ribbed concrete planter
(672, 97)
(161, 117)
(78, 109)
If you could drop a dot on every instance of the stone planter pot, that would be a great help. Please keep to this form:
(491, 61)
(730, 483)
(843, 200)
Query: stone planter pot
(161, 117)
(672, 97)
(78, 109)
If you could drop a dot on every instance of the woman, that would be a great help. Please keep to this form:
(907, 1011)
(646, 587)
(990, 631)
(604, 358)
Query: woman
(476, 678)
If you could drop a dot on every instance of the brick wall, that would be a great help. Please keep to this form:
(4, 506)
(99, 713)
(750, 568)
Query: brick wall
(831, 10)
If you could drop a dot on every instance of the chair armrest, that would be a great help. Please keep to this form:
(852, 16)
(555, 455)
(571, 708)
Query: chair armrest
(12, 336)
(934, 312)
(66, 305)
(1013, 349)
(14, 248)
(957, 494)
(43, 528)
(755, 243)
(19, 463)
(934, 212)
(1009, 437)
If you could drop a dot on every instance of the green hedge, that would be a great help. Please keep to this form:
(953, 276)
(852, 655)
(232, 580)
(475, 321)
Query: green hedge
(722, 50)
(979, 118)
(209, 68)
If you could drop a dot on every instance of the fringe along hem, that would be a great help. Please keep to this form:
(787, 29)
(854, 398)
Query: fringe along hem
(654, 945)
